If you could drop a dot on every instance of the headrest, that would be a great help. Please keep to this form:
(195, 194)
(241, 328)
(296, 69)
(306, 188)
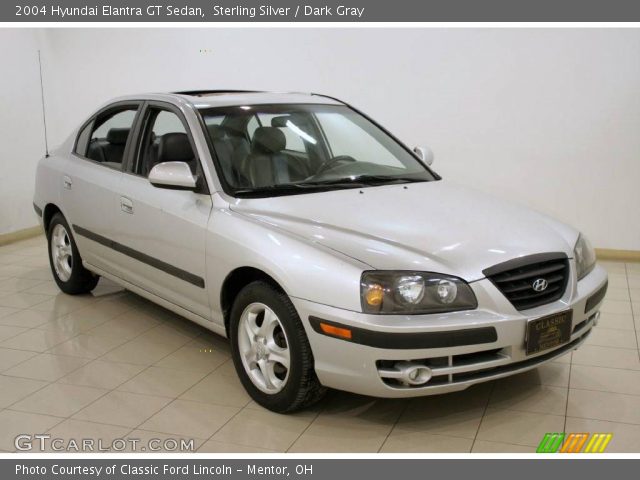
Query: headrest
(216, 132)
(117, 136)
(269, 139)
(175, 147)
(235, 132)
(280, 121)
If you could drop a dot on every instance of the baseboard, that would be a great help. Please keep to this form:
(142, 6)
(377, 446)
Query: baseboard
(7, 238)
(618, 255)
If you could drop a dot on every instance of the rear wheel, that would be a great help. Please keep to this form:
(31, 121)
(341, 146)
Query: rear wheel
(64, 258)
(270, 350)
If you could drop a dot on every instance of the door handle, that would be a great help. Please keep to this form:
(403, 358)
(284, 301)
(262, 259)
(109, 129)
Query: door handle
(126, 205)
(67, 182)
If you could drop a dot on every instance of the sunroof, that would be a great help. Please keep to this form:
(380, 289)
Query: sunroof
(208, 93)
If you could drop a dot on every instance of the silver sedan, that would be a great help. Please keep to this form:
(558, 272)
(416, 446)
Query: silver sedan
(327, 251)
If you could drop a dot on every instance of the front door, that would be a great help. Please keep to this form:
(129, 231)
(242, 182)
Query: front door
(161, 231)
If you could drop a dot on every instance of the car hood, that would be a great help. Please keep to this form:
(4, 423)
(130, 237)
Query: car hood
(429, 226)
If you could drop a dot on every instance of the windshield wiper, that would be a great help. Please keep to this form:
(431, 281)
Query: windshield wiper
(289, 188)
(286, 188)
(377, 179)
(346, 182)
(363, 180)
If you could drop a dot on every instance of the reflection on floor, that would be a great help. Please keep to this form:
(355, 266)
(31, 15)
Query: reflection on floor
(113, 365)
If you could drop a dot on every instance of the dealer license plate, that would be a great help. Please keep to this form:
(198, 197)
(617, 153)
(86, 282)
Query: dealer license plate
(548, 332)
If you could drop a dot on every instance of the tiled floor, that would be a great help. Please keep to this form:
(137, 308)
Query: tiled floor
(112, 365)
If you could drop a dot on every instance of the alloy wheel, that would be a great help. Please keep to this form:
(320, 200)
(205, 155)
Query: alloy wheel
(264, 348)
(61, 253)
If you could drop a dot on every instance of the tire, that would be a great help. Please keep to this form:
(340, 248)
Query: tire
(65, 261)
(279, 391)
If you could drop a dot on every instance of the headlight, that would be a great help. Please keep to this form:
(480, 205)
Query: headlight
(403, 292)
(585, 256)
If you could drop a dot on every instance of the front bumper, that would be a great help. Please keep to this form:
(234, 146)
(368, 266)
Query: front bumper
(459, 348)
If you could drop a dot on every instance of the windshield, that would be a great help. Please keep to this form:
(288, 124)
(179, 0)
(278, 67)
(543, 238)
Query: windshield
(267, 150)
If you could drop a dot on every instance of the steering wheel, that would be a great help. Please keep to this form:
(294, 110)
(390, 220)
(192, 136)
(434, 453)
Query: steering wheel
(334, 161)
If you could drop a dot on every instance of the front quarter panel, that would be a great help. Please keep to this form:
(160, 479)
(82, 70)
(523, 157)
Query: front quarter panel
(303, 269)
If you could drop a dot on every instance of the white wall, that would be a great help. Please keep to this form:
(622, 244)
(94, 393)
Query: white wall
(21, 127)
(546, 117)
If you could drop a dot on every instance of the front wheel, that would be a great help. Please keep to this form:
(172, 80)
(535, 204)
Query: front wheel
(270, 350)
(64, 258)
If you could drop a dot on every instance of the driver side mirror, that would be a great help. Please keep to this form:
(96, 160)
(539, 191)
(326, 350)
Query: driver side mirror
(425, 154)
(172, 175)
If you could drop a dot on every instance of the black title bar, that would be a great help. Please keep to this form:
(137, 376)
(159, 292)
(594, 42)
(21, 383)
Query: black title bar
(313, 469)
(320, 11)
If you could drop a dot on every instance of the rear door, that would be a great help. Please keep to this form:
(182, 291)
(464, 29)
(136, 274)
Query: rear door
(92, 179)
(162, 231)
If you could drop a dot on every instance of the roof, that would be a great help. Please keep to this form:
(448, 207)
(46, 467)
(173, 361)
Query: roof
(228, 98)
(218, 98)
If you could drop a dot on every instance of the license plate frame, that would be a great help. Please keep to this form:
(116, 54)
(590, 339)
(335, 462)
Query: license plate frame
(550, 331)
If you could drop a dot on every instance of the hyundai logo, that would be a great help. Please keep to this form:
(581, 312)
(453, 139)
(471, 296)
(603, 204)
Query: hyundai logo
(540, 285)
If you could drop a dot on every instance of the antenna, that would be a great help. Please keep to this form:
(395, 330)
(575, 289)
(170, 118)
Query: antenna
(44, 117)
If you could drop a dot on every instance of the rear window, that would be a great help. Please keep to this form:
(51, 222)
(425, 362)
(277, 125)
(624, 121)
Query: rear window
(109, 135)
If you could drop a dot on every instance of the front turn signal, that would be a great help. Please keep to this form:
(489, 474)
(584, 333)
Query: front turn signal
(374, 295)
(335, 331)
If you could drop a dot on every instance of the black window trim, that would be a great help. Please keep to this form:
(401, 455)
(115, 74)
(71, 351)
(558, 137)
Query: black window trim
(120, 105)
(87, 124)
(226, 187)
(136, 139)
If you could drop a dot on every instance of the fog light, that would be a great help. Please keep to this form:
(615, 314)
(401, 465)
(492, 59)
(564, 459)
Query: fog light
(446, 291)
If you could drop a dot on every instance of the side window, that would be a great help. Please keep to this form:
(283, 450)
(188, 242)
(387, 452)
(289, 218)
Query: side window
(109, 136)
(83, 140)
(164, 139)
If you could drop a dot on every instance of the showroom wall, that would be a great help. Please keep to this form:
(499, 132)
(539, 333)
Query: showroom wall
(21, 127)
(546, 117)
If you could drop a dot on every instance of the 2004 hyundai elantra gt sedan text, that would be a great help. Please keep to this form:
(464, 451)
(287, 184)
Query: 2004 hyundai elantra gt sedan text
(328, 252)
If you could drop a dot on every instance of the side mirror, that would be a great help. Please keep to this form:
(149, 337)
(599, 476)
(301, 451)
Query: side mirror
(172, 175)
(425, 154)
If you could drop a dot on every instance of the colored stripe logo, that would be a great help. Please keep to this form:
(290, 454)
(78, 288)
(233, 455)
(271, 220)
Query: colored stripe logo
(598, 443)
(574, 442)
(550, 443)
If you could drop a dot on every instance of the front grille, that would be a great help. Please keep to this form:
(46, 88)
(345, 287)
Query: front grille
(515, 279)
